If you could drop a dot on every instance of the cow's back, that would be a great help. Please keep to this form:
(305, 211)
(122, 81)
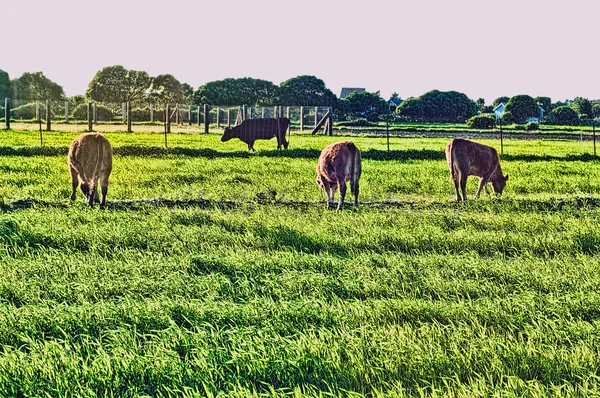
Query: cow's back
(339, 161)
(262, 128)
(90, 155)
(471, 157)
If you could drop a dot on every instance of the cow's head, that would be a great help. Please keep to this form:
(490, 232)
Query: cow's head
(499, 183)
(227, 134)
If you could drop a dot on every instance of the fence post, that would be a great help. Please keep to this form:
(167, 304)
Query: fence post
(218, 117)
(129, 116)
(89, 115)
(287, 112)
(199, 119)
(37, 111)
(316, 115)
(190, 114)
(124, 112)
(168, 119)
(7, 113)
(206, 120)
(330, 122)
(594, 133)
(48, 121)
(501, 140)
(95, 112)
(244, 112)
(301, 118)
(151, 113)
(66, 111)
(228, 117)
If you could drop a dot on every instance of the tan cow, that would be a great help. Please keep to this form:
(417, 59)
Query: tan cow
(338, 163)
(467, 158)
(90, 160)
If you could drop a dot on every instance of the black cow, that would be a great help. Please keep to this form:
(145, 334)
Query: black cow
(259, 129)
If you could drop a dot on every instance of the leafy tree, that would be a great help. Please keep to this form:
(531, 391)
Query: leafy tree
(4, 86)
(188, 93)
(583, 107)
(500, 100)
(167, 89)
(36, 86)
(596, 109)
(480, 103)
(564, 115)
(364, 105)
(545, 103)
(306, 90)
(481, 122)
(244, 91)
(438, 106)
(520, 108)
(117, 84)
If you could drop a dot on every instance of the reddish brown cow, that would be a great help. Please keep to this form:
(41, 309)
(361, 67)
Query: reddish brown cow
(467, 158)
(90, 160)
(338, 163)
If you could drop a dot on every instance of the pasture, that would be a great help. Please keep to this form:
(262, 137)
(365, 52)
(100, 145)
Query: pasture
(194, 282)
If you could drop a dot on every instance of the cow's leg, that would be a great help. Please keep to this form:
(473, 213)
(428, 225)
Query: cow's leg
(342, 185)
(354, 190)
(74, 182)
(104, 188)
(463, 185)
(92, 196)
(482, 183)
(455, 181)
(96, 195)
(332, 189)
(486, 189)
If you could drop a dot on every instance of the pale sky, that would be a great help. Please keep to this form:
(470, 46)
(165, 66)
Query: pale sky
(485, 49)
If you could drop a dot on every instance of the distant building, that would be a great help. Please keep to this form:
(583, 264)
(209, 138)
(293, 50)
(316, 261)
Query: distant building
(499, 111)
(394, 102)
(346, 91)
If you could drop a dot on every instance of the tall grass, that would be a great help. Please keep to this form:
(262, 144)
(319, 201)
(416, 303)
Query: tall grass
(190, 285)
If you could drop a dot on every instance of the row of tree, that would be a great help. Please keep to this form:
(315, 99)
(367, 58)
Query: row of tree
(115, 84)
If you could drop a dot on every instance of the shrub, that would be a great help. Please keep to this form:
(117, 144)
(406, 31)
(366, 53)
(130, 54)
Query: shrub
(27, 111)
(102, 113)
(485, 121)
(532, 126)
(565, 115)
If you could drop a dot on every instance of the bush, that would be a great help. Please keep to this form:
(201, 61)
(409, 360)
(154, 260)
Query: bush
(27, 111)
(486, 121)
(532, 126)
(565, 116)
(102, 113)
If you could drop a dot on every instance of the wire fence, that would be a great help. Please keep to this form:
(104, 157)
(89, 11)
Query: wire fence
(110, 116)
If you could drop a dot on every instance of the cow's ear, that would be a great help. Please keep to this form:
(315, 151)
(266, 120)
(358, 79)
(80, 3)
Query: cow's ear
(506, 178)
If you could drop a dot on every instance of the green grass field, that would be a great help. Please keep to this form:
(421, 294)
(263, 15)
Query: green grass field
(190, 284)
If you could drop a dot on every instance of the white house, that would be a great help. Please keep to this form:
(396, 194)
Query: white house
(499, 111)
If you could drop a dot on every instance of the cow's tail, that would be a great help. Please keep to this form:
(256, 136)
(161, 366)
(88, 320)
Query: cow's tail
(355, 171)
(451, 162)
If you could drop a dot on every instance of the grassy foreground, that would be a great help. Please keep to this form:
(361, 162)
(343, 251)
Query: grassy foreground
(193, 284)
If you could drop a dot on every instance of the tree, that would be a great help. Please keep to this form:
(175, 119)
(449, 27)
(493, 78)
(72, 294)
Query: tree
(480, 103)
(188, 93)
(596, 110)
(583, 107)
(564, 115)
(36, 86)
(167, 89)
(545, 103)
(439, 106)
(117, 84)
(364, 104)
(520, 108)
(306, 90)
(500, 100)
(4, 86)
(244, 91)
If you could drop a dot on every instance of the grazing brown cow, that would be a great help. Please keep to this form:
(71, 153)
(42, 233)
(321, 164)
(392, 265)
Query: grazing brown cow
(467, 158)
(251, 130)
(90, 160)
(338, 163)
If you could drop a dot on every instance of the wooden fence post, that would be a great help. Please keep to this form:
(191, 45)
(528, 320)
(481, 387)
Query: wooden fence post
(190, 114)
(124, 112)
(168, 119)
(301, 118)
(218, 117)
(38, 117)
(7, 113)
(89, 115)
(66, 111)
(244, 112)
(94, 112)
(48, 121)
(129, 116)
(151, 113)
(206, 118)
(316, 115)
(228, 117)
